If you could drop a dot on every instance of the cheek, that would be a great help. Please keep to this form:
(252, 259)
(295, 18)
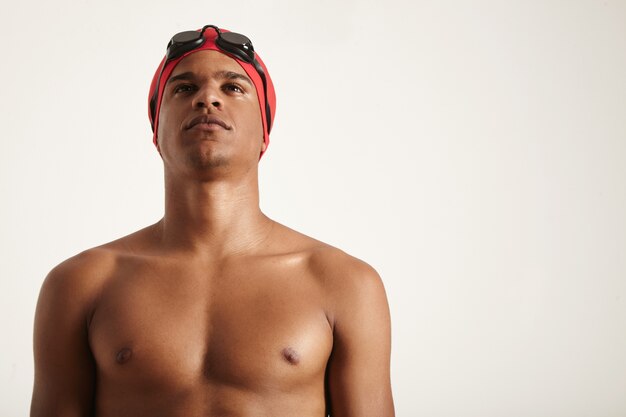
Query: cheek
(160, 128)
(256, 131)
(255, 127)
(164, 124)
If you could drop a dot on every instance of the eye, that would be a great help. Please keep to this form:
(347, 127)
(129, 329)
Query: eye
(184, 88)
(232, 87)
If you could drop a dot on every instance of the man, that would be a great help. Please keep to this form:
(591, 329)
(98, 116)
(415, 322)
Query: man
(215, 310)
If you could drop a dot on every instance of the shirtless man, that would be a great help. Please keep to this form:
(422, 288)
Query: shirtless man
(215, 310)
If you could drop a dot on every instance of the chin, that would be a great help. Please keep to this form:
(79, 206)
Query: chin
(207, 159)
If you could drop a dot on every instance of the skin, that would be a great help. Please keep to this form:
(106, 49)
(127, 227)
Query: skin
(215, 310)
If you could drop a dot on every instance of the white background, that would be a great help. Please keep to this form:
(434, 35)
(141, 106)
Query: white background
(474, 153)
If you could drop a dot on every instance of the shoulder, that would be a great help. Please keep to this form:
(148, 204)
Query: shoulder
(78, 278)
(341, 271)
(320, 255)
(350, 283)
(358, 313)
(327, 261)
(82, 277)
(64, 367)
(91, 268)
(88, 262)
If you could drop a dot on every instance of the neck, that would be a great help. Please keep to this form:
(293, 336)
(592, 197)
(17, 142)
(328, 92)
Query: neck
(215, 218)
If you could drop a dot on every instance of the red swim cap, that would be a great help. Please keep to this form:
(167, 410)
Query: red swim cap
(210, 35)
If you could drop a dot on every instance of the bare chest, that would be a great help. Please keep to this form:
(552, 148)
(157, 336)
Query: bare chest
(252, 326)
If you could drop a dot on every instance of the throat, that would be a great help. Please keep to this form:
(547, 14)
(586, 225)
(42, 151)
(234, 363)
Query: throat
(215, 231)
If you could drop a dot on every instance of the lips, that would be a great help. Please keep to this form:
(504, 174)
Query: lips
(207, 119)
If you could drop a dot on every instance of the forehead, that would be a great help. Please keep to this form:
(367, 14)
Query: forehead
(207, 60)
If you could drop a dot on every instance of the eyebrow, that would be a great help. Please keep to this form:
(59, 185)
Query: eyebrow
(227, 75)
(232, 75)
(184, 76)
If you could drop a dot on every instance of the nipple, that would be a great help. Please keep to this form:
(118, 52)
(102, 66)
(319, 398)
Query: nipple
(291, 355)
(123, 355)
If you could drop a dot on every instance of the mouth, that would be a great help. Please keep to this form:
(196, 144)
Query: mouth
(207, 121)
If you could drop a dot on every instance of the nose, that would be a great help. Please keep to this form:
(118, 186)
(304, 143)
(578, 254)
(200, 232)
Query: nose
(207, 96)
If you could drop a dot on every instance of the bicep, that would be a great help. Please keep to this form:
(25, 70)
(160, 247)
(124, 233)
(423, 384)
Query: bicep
(358, 370)
(64, 368)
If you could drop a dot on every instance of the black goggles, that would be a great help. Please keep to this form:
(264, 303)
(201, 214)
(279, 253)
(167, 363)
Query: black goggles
(233, 43)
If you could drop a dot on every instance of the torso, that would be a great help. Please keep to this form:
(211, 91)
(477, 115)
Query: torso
(172, 335)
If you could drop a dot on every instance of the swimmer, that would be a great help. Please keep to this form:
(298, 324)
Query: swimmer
(216, 309)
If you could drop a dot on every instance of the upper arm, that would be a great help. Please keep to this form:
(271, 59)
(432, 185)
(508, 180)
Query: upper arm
(64, 367)
(359, 366)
